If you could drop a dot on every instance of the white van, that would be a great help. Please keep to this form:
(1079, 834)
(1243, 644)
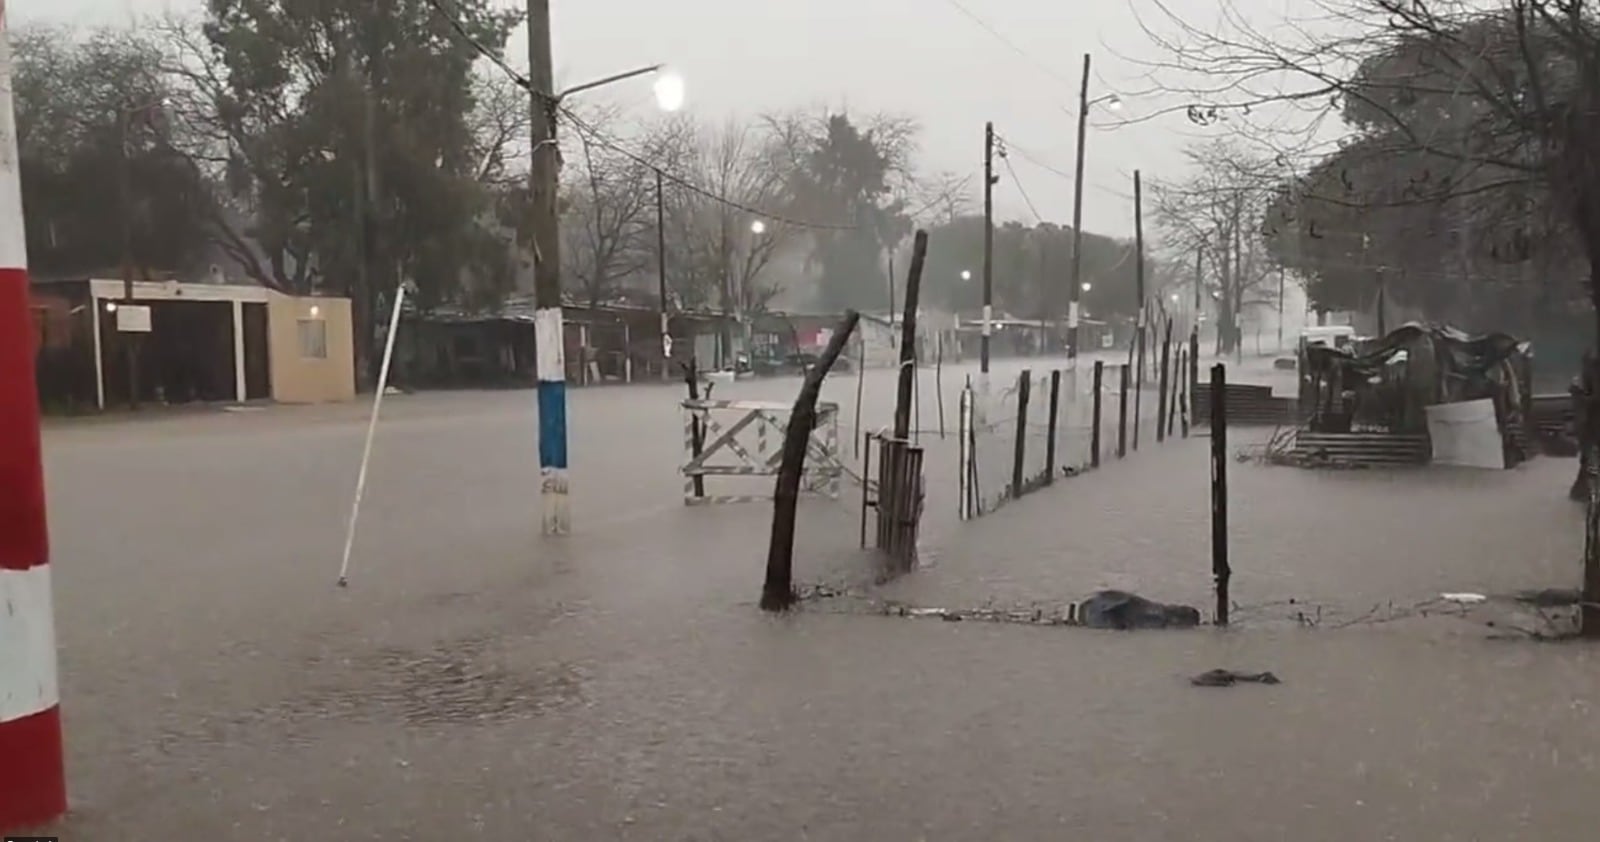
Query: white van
(1332, 336)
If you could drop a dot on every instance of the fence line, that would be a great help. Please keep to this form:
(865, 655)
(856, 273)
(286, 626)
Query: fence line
(1051, 424)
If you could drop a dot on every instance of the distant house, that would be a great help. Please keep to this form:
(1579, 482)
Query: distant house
(174, 342)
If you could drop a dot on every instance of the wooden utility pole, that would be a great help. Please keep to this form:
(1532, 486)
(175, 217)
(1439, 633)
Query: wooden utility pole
(988, 247)
(1138, 278)
(1075, 290)
(549, 332)
(130, 340)
(661, 277)
(777, 592)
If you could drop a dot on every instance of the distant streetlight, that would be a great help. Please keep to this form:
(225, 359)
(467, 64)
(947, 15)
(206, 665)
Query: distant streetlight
(966, 274)
(1174, 298)
(758, 227)
(1086, 286)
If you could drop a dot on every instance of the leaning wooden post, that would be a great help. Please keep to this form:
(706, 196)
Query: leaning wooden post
(908, 340)
(1055, 412)
(1161, 399)
(1122, 416)
(1220, 571)
(1094, 428)
(777, 593)
(1024, 385)
(895, 489)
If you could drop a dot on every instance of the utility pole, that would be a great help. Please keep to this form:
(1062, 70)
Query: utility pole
(1138, 244)
(1280, 308)
(661, 277)
(1199, 282)
(1076, 289)
(1138, 281)
(130, 340)
(549, 332)
(988, 246)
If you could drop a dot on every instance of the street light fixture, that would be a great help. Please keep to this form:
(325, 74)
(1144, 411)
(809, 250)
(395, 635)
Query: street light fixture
(669, 90)
(758, 227)
(966, 274)
(1086, 286)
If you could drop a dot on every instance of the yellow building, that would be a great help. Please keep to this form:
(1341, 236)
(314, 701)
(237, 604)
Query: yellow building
(179, 343)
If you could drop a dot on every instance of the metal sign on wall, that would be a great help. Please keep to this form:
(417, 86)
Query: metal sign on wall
(133, 318)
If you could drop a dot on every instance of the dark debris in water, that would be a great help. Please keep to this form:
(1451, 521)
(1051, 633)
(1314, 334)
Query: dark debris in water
(1228, 678)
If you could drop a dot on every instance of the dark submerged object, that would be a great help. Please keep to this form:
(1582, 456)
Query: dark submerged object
(1228, 678)
(1122, 611)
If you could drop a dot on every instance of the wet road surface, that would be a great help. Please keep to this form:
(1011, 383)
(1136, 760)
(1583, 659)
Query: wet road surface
(476, 681)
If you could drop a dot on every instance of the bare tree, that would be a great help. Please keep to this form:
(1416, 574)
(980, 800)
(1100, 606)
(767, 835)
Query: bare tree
(1215, 213)
(609, 201)
(734, 182)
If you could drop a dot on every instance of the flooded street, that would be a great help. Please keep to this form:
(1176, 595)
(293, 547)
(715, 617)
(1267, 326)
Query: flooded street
(478, 681)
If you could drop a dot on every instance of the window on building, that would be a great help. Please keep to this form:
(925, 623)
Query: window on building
(313, 339)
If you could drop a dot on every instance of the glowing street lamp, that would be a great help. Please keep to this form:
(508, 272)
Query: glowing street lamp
(669, 90)
(1086, 286)
(758, 227)
(966, 274)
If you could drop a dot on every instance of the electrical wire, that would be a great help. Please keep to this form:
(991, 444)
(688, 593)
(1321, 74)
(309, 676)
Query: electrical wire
(1039, 162)
(1037, 218)
(597, 137)
(1016, 48)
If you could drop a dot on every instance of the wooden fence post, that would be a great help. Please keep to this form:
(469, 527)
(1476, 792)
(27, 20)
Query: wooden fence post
(1055, 413)
(1122, 416)
(777, 592)
(1220, 570)
(1183, 395)
(1161, 399)
(1094, 435)
(697, 434)
(1024, 385)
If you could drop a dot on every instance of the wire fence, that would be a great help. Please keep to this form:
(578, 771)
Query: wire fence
(1046, 425)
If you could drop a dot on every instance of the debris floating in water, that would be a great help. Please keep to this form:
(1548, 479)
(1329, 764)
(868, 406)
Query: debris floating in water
(1228, 678)
(1463, 598)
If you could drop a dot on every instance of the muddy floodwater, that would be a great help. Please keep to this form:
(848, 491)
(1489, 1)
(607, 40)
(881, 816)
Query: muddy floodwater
(477, 681)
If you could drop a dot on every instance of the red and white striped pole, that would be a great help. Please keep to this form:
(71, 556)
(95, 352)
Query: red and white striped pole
(33, 785)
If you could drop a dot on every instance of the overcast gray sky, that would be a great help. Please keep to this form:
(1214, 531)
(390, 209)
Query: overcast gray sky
(923, 58)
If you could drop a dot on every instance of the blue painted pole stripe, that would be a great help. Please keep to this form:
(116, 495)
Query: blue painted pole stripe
(552, 424)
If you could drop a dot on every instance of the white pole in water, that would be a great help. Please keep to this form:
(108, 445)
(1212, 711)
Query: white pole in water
(372, 428)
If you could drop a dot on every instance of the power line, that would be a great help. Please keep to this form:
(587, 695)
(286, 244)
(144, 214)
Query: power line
(1047, 167)
(1005, 159)
(598, 137)
(1000, 36)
